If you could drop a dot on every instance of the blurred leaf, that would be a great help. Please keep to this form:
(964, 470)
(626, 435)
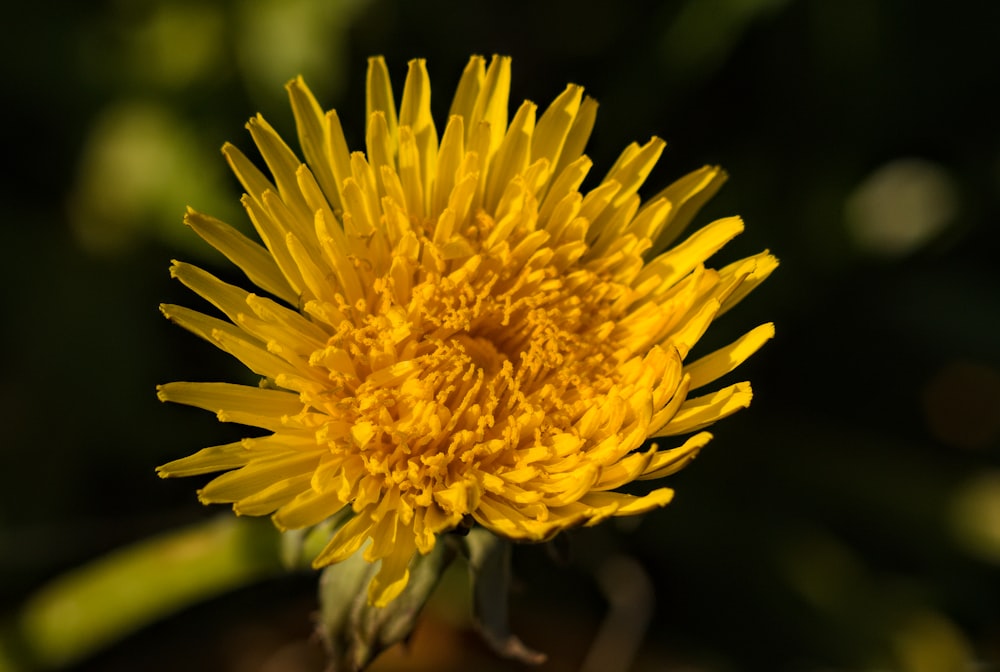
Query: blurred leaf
(93, 606)
(154, 56)
(703, 34)
(901, 207)
(928, 642)
(140, 168)
(976, 516)
(279, 39)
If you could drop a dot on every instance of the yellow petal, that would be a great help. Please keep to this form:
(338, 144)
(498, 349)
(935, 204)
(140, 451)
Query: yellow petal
(315, 275)
(230, 299)
(688, 195)
(507, 521)
(217, 397)
(596, 202)
(448, 163)
(272, 497)
(625, 470)
(312, 128)
(554, 125)
(207, 461)
(703, 411)
(274, 236)
(228, 338)
(413, 166)
(379, 96)
(570, 487)
(564, 190)
(491, 103)
(384, 532)
(677, 397)
(650, 218)
(381, 150)
(259, 475)
(394, 573)
(513, 154)
(629, 505)
(338, 155)
(298, 224)
(197, 323)
(578, 135)
(427, 523)
(308, 508)
(467, 91)
(694, 326)
(674, 264)
(459, 498)
(248, 256)
(717, 364)
(632, 168)
(667, 462)
(253, 180)
(763, 265)
(334, 248)
(292, 325)
(345, 543)
(415, 113)
(282, 163)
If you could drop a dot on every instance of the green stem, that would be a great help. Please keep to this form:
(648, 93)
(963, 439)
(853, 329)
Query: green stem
(93, 606)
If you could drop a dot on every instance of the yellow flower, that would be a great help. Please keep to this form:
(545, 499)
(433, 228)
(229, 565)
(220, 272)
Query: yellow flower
(449, 329)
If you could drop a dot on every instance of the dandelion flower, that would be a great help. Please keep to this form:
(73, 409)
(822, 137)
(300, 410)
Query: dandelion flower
(449, 330)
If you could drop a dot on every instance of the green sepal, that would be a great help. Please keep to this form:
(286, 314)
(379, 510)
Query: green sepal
(355, 632)
(299, 547)
(489, 570)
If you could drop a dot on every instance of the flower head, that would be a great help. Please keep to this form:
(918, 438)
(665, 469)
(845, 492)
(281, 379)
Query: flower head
(449, 329)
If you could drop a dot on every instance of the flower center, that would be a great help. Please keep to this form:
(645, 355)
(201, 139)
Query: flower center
(456, 368)
(482, 352)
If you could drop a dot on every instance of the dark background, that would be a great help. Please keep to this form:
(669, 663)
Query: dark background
(850, 520)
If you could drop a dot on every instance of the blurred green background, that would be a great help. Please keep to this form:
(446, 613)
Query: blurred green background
(850, 520)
